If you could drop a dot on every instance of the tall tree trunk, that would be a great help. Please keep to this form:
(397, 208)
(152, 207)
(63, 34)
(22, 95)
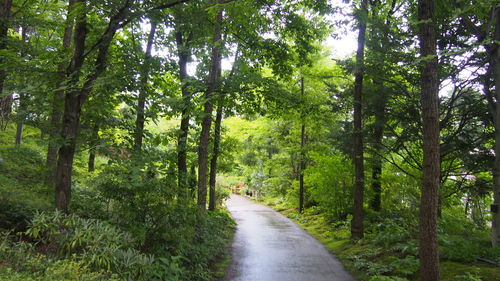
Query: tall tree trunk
(302, 163)
(215, 154)
(302, 167)
(5, 102)
(217, 134)
(207, 118)
(378, 134)
(94, 140)
(495, 235)
(71, 116)
(143, 93)
(23, 104)
(428, 255)
(357, 229)
(183, 54)
(76, 96)
(5, 8)
(58, 103)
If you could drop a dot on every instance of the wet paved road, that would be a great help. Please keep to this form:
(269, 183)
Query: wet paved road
(270, 247)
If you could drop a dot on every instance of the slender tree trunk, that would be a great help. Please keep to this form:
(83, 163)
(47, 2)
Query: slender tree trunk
(357, 218)
(302, 167)
(91, 161)
(23, 104)
(215, 154)
(302, 160)
(71, 117)
(19, 133)
(58, 104)
(495, 236)
(94, 140)
(376, 202)
(378, 135)
(207, 118)
(192, 181)
(5, 102)
(21, 115)
(429, 256)
(217, 134)
(143, 93)
(183, 54)
(5, 8)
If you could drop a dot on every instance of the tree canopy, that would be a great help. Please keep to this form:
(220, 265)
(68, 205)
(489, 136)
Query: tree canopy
(136, 119)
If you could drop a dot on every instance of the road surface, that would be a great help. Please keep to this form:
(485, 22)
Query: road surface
(269, 247)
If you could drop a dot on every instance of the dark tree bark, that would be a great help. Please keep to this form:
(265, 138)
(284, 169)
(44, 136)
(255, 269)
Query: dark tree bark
(215, 154)
(495, 235)
(207, 112)
(302, 161)
(379, 108)
(183, 54)
(76, 96)
(302, 167)
(143, 93)
(5, 102)
(217, 135)
(58, 103)
(357, 229)
(5, 8)
(71, 116)
(94, 140)
(428, 255)
(5, 111)
(378, 134)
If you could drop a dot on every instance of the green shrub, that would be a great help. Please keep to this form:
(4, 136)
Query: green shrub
(386, 278)
(328, 178)
(22, 189)
(21, 165)
(457, 248)
(467, 277)
(20, 261)
(87, 203)
(97, 244)
(221, 193)
(14, 215)
(389, 231)
(492, 254)
(406, 266)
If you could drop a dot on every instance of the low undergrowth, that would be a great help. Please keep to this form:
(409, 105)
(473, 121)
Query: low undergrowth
(128, 221)
(67, 247)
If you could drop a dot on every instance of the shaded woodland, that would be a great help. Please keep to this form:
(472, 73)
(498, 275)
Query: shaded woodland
(124, 126)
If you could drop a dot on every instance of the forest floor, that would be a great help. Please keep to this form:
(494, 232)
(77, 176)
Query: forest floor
(269, 246)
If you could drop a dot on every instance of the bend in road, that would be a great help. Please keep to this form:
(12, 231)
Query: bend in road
(270, 247)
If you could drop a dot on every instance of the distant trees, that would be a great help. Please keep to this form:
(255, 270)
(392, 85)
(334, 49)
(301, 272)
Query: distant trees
(86, 56)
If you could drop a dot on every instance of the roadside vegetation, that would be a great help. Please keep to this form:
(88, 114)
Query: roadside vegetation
(389, 249)
(123, 125)
(121, 226)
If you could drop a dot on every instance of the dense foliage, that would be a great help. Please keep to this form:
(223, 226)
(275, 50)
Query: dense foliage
(123, 124)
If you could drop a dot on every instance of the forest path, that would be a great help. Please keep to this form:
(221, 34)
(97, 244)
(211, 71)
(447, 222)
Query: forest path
(270, 247)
